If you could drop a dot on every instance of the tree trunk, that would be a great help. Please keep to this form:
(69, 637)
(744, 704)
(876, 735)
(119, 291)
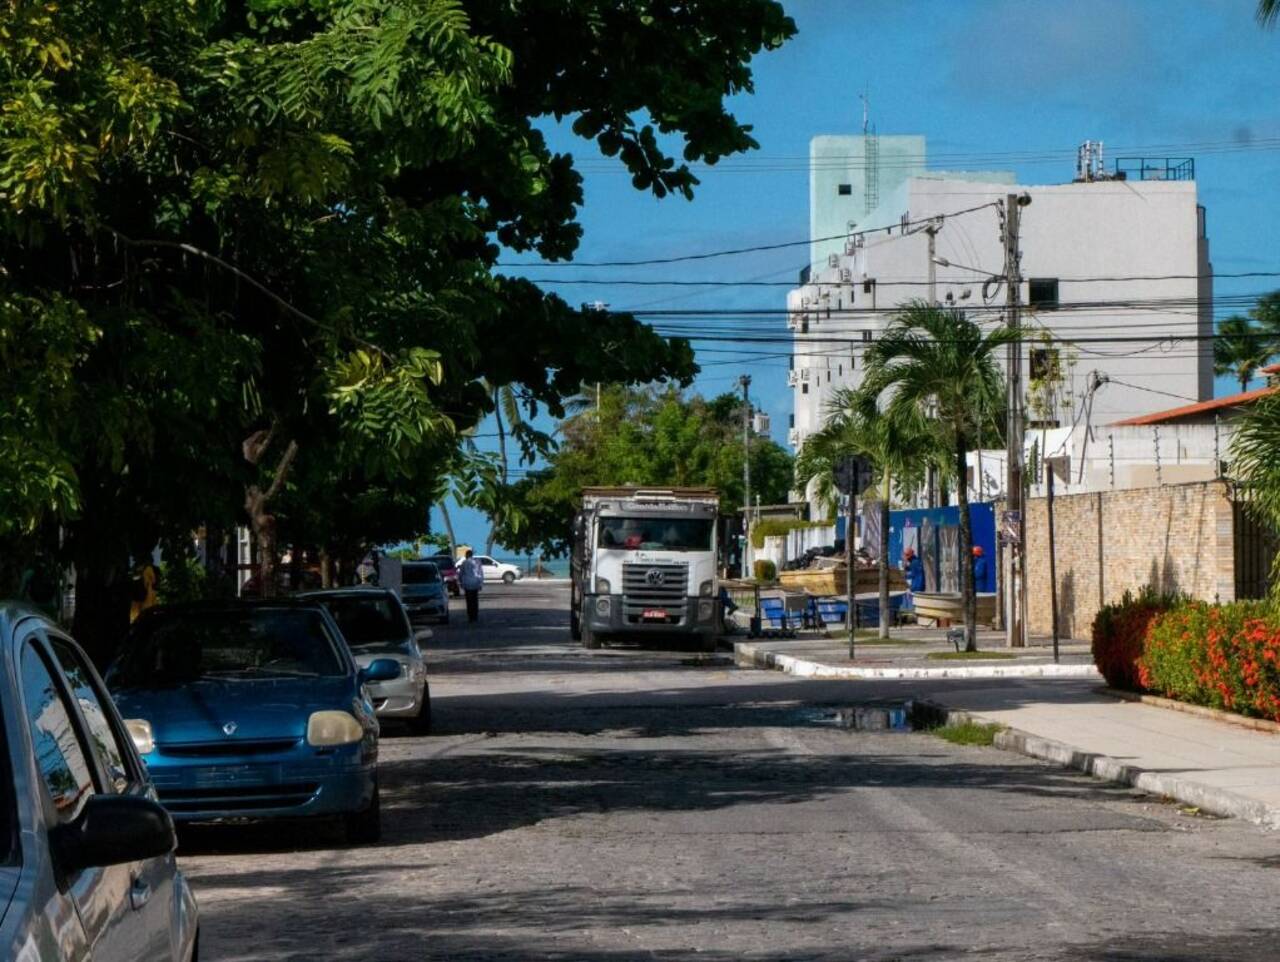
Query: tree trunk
(102, 607)
(448, 529)
(965, 548)
(884, 555)
(502, 460)
(326, 569)
(255, 506)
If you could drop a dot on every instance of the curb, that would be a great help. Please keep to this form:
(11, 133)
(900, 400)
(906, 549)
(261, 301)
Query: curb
(748, 655)
(1201, 711)
(1216, 801)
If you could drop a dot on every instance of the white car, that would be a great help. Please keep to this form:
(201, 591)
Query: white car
(498, 570)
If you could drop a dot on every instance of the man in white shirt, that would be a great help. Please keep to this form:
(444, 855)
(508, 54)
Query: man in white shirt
(471, 580)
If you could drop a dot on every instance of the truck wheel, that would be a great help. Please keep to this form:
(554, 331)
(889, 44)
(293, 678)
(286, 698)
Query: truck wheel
(589, 638)
(707, 643)
(575, 624)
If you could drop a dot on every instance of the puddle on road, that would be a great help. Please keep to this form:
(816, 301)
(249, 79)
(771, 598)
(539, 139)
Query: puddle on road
(888, 717)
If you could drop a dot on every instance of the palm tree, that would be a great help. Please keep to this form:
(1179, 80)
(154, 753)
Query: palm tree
(1268, 11)
(1255, 467)
(1241, 347)
(900, 445)
(933, 355)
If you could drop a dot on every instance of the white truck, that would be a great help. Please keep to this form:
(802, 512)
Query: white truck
(644, 563)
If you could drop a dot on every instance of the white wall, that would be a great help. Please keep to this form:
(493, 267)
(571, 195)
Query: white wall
(1090, 230)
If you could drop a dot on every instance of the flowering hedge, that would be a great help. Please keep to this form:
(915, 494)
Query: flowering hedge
(1119, 633)
(1222, 656)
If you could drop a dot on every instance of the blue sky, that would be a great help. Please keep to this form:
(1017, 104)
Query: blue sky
(981, 79)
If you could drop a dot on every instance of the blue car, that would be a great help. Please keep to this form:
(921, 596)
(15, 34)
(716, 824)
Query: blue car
(252, 710)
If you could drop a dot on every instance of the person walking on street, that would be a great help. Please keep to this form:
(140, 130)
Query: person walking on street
(471, 580)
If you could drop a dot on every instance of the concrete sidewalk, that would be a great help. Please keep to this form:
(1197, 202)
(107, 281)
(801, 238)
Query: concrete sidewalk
(1206, 762)
(912, 653)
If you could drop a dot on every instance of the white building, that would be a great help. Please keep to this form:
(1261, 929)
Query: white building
(1117, 288)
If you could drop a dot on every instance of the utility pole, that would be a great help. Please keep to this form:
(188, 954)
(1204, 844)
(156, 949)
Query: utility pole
(1016, 596)
(745, 381)
(931, 231)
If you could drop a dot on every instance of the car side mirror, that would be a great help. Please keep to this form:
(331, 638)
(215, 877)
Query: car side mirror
(112, 829)
(380, 669)
(422, 634)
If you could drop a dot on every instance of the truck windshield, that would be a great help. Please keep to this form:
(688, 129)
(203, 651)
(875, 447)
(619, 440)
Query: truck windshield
(656, 534)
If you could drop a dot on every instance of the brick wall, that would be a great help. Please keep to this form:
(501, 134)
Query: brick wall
(1178, 537)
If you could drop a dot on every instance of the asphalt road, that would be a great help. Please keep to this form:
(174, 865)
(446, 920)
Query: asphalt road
(626, 805)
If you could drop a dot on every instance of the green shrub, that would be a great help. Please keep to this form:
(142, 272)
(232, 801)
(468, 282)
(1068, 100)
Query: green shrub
(1119, 632)
(765, 570)
(774, 526)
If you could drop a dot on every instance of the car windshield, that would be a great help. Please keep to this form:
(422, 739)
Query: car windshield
(656, 534)
(181, 647)
(419, 574)
(368, 621)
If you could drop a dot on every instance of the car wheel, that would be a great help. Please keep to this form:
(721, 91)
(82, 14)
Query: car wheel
(508, 578)
(420, 724)
(365, 827)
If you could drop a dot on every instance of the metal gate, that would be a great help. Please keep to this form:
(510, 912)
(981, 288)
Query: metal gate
(1255, 549)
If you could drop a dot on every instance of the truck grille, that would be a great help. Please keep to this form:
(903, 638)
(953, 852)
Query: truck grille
(648, 587)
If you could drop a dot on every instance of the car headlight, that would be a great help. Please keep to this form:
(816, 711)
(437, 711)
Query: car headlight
(603, 587)
(704, 589)
(144, 739)
(333, 728)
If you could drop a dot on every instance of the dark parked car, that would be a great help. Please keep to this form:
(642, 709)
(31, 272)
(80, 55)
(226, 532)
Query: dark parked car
(252, 710)
(423, 593)
(375, 625)
(87, 870)
(448, 571)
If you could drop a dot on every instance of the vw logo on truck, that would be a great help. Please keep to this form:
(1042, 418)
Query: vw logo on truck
(654, 577)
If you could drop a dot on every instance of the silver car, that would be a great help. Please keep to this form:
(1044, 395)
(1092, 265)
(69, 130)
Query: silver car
(375, 625)
(87, 871)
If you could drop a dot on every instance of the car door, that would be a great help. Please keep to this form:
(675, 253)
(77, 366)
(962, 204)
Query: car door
(151, 881)
(100, 895)
(491, 572)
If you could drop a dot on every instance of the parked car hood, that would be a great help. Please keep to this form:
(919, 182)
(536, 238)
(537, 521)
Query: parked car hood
(259, 708)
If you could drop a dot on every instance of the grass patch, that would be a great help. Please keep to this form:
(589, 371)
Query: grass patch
(967, 733)
(969, 656)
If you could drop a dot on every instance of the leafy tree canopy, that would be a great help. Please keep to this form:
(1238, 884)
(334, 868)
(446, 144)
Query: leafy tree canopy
(227, 215)
(650, 436)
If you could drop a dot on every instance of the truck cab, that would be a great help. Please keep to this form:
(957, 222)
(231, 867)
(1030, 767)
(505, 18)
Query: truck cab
(644, 563)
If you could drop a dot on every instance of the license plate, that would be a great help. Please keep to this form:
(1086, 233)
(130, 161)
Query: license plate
(654, 614)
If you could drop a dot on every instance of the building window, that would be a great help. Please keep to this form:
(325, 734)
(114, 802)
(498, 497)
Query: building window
(791, 420)
(840, 370)
(844, 190)
(866, 335)
(867, 285)
(804, 387)
(1043, 293)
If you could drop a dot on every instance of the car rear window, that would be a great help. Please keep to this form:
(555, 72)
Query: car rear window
(419, 574)
(180, 647)
(444, 563)
(367, 620)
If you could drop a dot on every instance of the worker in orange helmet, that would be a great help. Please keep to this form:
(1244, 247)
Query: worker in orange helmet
(979, 569)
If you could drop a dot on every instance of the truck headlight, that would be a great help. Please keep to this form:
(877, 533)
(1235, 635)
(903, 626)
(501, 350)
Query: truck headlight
(704, 589)
(706, 609)
(602, 607)
(144, 739)
(603, 587)
(325, 728)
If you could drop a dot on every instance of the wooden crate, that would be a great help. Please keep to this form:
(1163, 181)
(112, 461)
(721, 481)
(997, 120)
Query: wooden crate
(832, 581)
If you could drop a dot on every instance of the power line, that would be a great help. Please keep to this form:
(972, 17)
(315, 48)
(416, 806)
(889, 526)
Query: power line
(747, 250)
